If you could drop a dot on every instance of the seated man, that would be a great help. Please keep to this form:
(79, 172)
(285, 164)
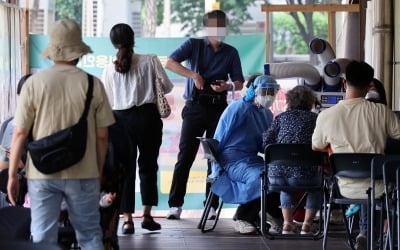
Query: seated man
(6, 132)
(356, 125)
(239, 132)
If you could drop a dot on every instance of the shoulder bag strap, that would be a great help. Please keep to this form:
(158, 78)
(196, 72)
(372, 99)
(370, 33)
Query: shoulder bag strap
(200, 58)
(89, 95)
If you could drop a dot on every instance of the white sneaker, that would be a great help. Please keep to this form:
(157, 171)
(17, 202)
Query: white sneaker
(174, 213)
(244, 227)
(212, 215)
(275, 223)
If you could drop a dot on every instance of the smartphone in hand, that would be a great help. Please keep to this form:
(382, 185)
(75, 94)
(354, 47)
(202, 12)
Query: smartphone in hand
(215, 83)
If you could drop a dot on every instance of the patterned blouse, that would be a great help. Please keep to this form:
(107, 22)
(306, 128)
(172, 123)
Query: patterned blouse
(292, 126)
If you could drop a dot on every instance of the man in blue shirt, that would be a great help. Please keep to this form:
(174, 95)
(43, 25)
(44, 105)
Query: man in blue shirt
(209, 65)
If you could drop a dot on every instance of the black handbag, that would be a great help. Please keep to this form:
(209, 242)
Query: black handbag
(66, 147)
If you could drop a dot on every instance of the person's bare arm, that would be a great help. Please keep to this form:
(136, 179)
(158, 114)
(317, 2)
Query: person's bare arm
(320, 149)
(238, 85)
(176, 67)
(101, 147)
(17, 145)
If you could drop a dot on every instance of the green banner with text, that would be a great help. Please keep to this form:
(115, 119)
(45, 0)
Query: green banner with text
(252, 54)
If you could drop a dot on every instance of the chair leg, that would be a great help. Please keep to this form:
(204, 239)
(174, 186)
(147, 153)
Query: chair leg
(346, 223)
(371, 218)
(216, 217)
(263, 216)
(389, 218)
(206, 211)
(326, 226)
(397, 199)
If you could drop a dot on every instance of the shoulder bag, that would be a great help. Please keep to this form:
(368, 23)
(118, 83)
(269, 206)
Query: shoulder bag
(65, 148)
(162, 103)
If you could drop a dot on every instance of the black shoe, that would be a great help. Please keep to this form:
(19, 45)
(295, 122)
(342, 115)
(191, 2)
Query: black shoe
(128, 227)
(150, 224)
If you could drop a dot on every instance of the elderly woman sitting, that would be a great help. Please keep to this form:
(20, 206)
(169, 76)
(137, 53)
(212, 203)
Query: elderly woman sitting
(296, 125)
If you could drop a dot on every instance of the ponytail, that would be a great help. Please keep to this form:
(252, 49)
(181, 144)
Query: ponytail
(123, 38)
(124, 59)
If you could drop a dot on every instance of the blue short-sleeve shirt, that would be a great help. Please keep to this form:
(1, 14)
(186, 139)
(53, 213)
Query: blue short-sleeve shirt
(216, 65)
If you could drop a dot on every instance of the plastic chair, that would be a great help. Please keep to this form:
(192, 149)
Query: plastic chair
(289, 155)
(391, 176)
(377, 172)
(349, 165)
(210, 146)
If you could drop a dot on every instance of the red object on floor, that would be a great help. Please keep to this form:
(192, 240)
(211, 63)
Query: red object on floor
(300, 212)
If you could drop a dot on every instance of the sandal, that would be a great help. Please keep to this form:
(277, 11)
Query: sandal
(128, 227)
(150, 224)
(289, 228)
(306, 229)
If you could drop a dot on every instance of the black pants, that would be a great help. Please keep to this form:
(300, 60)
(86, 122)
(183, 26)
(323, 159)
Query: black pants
(143, 127)
(197, 119)
(249, 211)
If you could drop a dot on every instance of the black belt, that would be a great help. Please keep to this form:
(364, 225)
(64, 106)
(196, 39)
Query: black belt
(210, 99)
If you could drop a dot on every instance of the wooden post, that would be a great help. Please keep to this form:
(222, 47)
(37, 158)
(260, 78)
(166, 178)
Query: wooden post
(332, 29)
(24, 19)
(25, 41)
(268, 55)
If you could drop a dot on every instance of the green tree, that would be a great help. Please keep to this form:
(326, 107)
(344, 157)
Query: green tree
(71, 9)
(190, 14)
(287, 38)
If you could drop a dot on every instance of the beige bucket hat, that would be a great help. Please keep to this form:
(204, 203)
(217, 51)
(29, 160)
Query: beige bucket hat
(65, 42)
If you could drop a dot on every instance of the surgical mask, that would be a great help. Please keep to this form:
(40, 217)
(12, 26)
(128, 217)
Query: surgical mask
(266, 101)
(372, 95)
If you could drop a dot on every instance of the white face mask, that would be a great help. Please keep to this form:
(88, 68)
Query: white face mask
(315, 110)
(372, 95)
(216, 33)
(265, 101)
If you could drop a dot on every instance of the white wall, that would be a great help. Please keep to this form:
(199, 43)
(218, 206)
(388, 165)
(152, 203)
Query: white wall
(116, 11)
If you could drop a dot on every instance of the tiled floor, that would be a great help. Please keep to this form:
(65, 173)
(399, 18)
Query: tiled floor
(183, 234)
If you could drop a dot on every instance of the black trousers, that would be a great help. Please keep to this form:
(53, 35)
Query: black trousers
(143, 127)
(197, 119)
(249, 211)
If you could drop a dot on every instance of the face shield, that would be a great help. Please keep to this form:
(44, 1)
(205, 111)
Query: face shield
(265, 97)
